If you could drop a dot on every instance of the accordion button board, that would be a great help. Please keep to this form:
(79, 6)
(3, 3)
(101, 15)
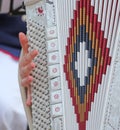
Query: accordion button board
(76, 83)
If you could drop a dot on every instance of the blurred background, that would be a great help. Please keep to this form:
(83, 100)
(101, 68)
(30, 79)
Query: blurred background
(12, 114)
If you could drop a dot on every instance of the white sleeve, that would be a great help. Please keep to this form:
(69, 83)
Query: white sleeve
(12, 114)
(5, 5)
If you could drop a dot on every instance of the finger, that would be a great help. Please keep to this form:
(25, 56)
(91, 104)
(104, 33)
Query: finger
(29, 98)
(27, 59)
(25, 82)
(25, 71)
(24, 42)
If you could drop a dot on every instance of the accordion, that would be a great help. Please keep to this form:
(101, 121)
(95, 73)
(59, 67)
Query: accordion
(76, 82)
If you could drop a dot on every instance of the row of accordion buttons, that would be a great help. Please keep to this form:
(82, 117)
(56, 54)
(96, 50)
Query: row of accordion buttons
(54, 72)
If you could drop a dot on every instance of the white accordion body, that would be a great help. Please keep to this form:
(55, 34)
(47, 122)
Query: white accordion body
(77, 76)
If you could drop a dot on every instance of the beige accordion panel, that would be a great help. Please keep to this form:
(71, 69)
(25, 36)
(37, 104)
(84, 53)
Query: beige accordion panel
(76, 81)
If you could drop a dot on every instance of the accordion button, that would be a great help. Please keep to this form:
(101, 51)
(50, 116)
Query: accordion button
(56, 97)
(52, 45)
(55, 83)
(53, 58)
(54, 70)
(57, 110)
(51, 32)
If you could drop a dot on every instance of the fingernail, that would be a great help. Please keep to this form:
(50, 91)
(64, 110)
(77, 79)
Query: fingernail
(32, 65)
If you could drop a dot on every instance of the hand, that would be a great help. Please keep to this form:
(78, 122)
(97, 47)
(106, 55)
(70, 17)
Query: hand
(26, 65)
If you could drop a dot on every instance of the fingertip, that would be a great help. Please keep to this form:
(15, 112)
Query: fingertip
(33, 65)
(25, 82)
(28, 102)
(21, 34)
(30, 78)
(35, 52)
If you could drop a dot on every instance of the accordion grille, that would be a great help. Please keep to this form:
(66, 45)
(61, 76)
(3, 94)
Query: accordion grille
(40, 88)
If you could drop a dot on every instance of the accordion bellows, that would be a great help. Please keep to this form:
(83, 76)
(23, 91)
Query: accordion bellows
(76, 81)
